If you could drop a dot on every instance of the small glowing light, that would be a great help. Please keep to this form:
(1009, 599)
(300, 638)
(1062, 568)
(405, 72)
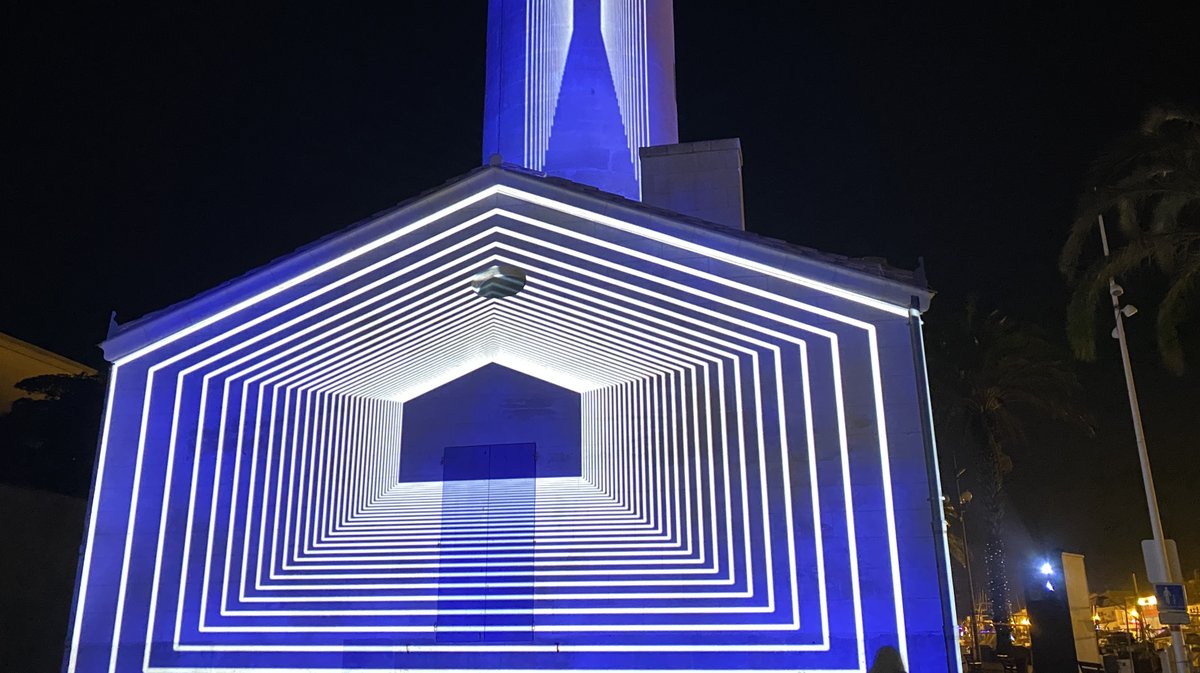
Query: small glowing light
(1049, 586)
(1047, 569)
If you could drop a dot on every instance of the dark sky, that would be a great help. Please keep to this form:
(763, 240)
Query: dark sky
(152, 151)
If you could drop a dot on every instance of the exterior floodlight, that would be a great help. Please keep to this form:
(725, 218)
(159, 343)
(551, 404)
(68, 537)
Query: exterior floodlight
(1129, 310)
(498, 281)
(1047, 569)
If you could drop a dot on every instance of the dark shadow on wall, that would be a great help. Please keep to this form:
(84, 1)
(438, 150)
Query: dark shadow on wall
(38, 563)
(491, 406)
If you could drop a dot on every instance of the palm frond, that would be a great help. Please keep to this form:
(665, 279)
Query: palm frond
(989, 375)
(1159, 115)
(1092, 286)
(1173, 311)
(1127, 219)
(1165, 219)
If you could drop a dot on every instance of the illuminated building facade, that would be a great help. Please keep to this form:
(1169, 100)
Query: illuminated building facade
(521, 424)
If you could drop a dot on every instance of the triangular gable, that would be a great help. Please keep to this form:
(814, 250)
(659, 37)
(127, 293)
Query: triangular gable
(506, 190)
(712, 366)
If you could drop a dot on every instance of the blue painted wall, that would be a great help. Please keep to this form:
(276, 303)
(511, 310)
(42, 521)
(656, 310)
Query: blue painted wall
(755, 486)
(490, 409)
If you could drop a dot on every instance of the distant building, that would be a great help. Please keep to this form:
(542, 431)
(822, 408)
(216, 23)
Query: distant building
(20, 360)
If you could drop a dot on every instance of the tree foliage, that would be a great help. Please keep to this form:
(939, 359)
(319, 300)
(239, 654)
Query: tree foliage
(48, 439)
(990, 377)
(1147, 186)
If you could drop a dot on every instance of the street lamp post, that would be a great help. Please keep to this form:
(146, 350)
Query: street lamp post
(1125, 611)
(1115, 291)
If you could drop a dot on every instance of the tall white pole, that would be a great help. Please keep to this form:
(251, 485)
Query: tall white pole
(1179, 649)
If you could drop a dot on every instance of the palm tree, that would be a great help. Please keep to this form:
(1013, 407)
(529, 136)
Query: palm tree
(989, 376)
(1148, 184)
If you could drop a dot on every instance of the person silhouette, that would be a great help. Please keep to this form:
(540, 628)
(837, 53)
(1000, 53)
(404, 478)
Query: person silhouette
(887, 660)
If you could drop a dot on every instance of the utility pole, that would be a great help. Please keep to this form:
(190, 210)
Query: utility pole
(1179, 649)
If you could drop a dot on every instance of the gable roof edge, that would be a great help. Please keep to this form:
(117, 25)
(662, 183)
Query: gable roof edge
(884, 284)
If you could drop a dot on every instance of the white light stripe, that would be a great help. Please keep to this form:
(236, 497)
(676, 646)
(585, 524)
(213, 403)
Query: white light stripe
(519, 195)
(874, 346)
(93, 506)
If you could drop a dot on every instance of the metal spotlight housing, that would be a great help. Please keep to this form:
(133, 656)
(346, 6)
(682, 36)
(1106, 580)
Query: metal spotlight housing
(498, 281)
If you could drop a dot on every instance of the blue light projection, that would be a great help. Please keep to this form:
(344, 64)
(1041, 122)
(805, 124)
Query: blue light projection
(752, 489)
(492, 406)
(576, 87)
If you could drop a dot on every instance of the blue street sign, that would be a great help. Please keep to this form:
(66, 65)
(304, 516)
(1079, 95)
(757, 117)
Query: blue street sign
(1172, 603)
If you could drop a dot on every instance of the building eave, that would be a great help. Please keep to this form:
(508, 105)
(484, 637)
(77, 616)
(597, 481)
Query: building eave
(869, 278)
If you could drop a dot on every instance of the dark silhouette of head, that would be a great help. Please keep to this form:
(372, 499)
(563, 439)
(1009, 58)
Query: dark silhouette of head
(887, 660)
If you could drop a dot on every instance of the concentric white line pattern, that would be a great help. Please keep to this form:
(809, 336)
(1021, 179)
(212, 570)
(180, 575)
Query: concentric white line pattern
(623, 26)
(733, 452)
(549, 25)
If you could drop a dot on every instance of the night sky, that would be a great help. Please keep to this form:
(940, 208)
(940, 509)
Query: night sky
(153, 151)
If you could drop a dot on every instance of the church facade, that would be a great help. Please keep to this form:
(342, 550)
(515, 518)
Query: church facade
(527, 421)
